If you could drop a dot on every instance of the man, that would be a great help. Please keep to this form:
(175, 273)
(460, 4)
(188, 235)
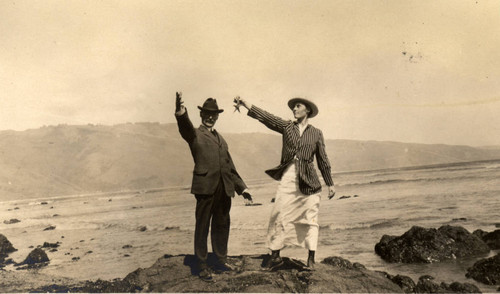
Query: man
(215, 180)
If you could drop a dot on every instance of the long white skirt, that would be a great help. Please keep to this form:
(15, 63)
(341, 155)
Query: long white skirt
(294, 217)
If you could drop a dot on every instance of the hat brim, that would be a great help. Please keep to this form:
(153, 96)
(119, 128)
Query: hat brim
(210, 110)
(314, 109)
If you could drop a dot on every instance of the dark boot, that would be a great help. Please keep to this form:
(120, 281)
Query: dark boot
(310, 260)
(276, 260)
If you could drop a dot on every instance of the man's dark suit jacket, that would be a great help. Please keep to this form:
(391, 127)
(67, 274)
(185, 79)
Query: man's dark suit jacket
(212, 161)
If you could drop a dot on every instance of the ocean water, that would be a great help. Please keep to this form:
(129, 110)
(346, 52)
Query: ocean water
(392, 201)
(110, 235)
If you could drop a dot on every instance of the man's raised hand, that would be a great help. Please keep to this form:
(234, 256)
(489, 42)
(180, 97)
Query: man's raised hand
(179, 108)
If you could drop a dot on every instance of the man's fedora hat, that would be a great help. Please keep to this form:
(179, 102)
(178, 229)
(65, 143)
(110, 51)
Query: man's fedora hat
(210, 105)
(307, 103)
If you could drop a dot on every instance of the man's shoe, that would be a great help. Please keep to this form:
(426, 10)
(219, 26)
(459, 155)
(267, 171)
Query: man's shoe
(223, 267)
(206, 275)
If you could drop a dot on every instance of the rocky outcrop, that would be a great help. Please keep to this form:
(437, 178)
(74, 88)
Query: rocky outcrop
(5, 249)
(35, 259)
(178, 274)
(422, 245)
(426, 284)
(99, 286)
(486, 271)
(334, 274)
(492, 239)
(342, 263)
(11, 221)
(51, 245)
(404, 282)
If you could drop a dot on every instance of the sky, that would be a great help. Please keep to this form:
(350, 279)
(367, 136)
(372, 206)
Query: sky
(422, 71)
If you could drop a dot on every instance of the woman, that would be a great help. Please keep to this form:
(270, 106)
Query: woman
(294, 218)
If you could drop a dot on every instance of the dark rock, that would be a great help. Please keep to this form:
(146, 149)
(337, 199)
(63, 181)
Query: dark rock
(358, 265)
(273, 199)
(49, 228)
(36, 259)
(44, 203)
(75, 258)
(338, 262)
(343, 197)
(143, 228)
(479, 233)
(404, 282)
(460, 219)
(385, 274)
(11, 221)
(8, 261)
(36, 256)
(127, 246)
(99, 286)
(5, 248)
(457, 287)
(492, 239)
(171, 228)
(426, 284)
(486, 270)
(421, 245)
(50, 245)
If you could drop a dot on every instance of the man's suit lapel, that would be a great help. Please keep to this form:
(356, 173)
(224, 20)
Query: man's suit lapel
(207, 133)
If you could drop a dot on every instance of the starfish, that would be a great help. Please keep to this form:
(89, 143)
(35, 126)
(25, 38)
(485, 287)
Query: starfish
(238, 104)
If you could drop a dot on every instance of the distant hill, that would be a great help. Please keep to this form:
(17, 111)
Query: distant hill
(63, 160)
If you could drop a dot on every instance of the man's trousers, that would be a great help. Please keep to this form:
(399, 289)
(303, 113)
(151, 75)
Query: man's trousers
(216, 208)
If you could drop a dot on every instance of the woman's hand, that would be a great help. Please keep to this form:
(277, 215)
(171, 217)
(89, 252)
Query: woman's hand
(240, 102)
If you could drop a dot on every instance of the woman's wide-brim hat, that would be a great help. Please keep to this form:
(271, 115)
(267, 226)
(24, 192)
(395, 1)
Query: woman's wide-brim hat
(210, 105)
(309, 104)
